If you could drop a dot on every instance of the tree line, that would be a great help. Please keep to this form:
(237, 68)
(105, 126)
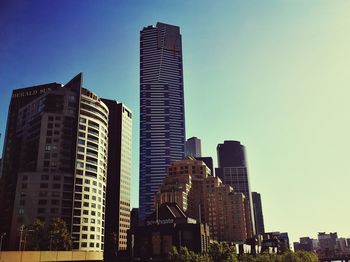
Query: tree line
(222, 252)
(41, 237)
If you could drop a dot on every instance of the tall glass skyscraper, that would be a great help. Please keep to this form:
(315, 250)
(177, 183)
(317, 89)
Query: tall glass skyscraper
(162, 114)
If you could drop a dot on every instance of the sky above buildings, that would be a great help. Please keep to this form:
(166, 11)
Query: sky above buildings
(271, 74)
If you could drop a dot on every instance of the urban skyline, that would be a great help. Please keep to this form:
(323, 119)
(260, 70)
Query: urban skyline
(289, 123)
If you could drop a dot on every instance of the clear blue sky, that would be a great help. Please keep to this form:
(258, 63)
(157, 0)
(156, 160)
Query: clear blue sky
(272, 74)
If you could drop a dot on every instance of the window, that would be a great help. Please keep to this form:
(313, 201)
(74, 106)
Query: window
(41, 210)
(44, 185)
(55, 194)
(55, 202)
(42, 202)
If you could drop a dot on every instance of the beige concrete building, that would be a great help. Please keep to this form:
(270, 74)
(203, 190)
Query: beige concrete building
(68, 156)
(204, 197)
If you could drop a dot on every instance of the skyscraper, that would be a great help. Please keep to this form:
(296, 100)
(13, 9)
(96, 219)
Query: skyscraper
(232, 169)
(258, 213)
(117, 220)
(162, 114)
(193, 147)
(59, 137)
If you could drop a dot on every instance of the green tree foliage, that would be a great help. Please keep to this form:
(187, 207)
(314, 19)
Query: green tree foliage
(35, 236)
(300, 256)
(222, 252)
(59, 235)
(184, 255)
(54, 237)
(217, 253)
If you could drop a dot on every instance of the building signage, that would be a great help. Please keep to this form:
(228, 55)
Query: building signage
(30, 92)
(160, 222)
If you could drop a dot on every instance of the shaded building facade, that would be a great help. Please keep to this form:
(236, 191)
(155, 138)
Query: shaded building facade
(193, 147)
(168, 226)
(258, 213)
(162, 115)
(117, 220)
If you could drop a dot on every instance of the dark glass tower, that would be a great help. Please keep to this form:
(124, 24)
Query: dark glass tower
(258, 213)
(233, 169)
(162, 116)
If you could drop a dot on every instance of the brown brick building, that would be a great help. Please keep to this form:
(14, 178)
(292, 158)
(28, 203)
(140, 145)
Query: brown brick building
(202, 196)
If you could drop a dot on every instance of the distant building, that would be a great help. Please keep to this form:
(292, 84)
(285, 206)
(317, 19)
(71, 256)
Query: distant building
(193, 147)
(258, 213)
(328, 242)
(208, 161)
(205, 198)
(162, 110)
(275, 240)
(168, 226)
(305, 244)
(232, 169)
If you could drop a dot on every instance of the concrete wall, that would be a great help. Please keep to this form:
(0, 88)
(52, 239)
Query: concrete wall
(48, 256)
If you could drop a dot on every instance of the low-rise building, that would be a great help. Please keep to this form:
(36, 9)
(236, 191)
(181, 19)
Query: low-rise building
(167, 226)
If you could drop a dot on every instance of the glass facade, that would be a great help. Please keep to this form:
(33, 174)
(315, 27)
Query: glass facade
(162, 116)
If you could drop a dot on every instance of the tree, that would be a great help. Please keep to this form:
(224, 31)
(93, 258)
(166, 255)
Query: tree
(222, 252)
(59, 236)
(35, 236)
(184, 255)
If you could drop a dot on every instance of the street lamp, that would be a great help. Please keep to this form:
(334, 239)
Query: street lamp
(25, 238)
(21, 229)
(1, 237)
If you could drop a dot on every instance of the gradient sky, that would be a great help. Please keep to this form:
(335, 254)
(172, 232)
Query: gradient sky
(271, 74)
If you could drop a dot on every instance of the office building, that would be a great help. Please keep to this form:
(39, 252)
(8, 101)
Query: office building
(204, 197)
(117, 220)
(166, 227)
(208, 161)
(11, 153)
(56, 160)
(162, 115)
(232, 169)
(193, 147)
(258, 213)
